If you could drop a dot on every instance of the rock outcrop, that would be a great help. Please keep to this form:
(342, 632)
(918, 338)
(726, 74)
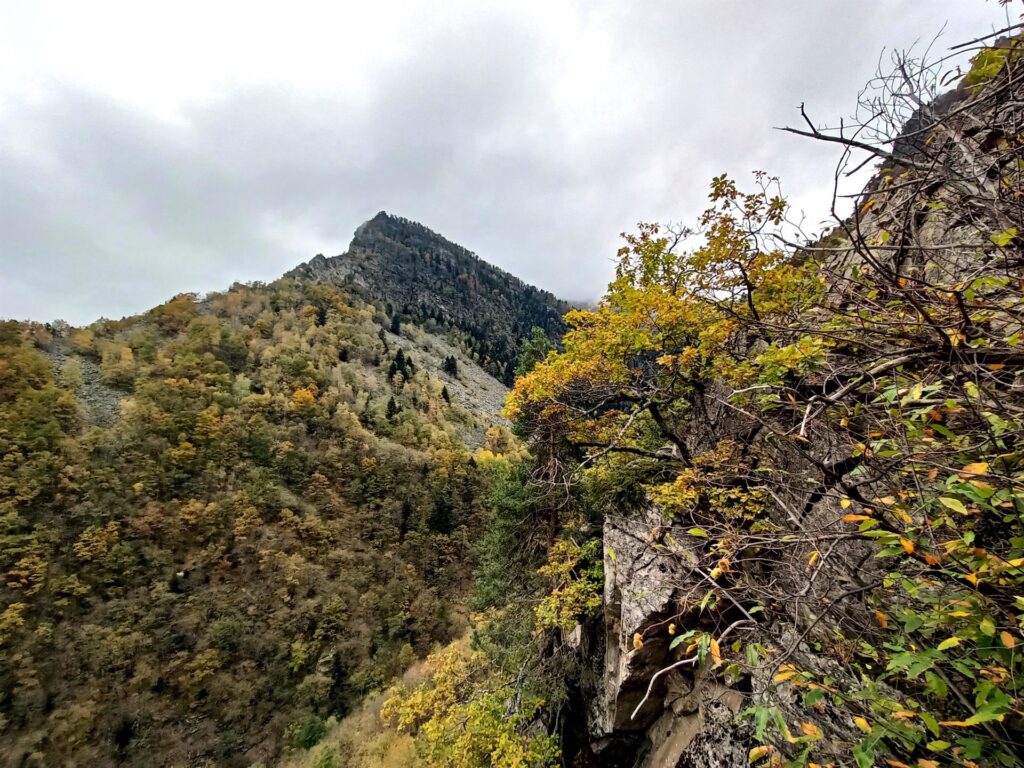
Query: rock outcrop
(425, 278)
(930, 217)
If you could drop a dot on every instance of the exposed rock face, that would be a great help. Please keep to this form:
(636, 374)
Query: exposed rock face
(423, 277)
(689, 718)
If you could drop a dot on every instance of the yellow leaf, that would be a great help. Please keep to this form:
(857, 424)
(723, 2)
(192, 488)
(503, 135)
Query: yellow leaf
(863, 724)
(949, 642)
(638, 641)
(867, 206)
(979, 468)
(716, 652)
(844, 503)
(671, 629)
(758, 753)
(812, 559)
(786, 671)
(1007, 639)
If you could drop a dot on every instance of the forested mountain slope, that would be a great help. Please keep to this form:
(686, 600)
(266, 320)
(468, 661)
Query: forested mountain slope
(775, 503)
(225, 519)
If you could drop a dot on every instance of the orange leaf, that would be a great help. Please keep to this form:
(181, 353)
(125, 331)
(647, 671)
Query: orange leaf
(716, 652)
(855, 518)
(1007, 639)
(882, 619)
(638, 641)
(907, 544)
(812, 559)
(810, 729)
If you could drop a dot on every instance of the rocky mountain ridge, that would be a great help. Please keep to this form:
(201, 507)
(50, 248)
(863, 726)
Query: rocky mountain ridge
(419, 276)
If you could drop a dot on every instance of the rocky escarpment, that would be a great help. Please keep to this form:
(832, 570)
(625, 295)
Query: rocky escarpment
(932, 246)
(649, 711)
(422, 277)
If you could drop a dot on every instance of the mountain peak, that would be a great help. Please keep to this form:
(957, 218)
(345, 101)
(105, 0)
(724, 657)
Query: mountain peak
(419, 276)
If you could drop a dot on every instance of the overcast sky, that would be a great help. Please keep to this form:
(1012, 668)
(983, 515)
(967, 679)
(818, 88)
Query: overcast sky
(150, 149)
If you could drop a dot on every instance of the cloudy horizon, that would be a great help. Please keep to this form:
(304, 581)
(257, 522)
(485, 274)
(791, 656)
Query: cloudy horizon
(150, 153)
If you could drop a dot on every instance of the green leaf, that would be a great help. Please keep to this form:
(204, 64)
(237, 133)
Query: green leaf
(987, 714)
(988, 626)
(937, 686)
(938, 745)
(1003, 238)
(949, 642)
(698, 532)
(813, 696)
(955, 504)
(676, 641)
(930, 721)
(864, 754)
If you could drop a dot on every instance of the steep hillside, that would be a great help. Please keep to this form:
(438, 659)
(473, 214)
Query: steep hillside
(421, 277)
(780, 491)
(225, 520)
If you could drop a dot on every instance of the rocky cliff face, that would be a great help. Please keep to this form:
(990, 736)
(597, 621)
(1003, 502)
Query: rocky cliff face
(422, 277)
(947, 193)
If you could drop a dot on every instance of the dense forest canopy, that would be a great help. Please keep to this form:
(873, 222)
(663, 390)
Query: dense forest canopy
(275, 520)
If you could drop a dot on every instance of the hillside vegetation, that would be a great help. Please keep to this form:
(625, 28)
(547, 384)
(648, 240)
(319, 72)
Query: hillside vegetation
(275, 520)
(762, 506)
(780, 485)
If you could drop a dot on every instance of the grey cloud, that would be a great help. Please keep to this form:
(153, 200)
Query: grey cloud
(108, 210)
